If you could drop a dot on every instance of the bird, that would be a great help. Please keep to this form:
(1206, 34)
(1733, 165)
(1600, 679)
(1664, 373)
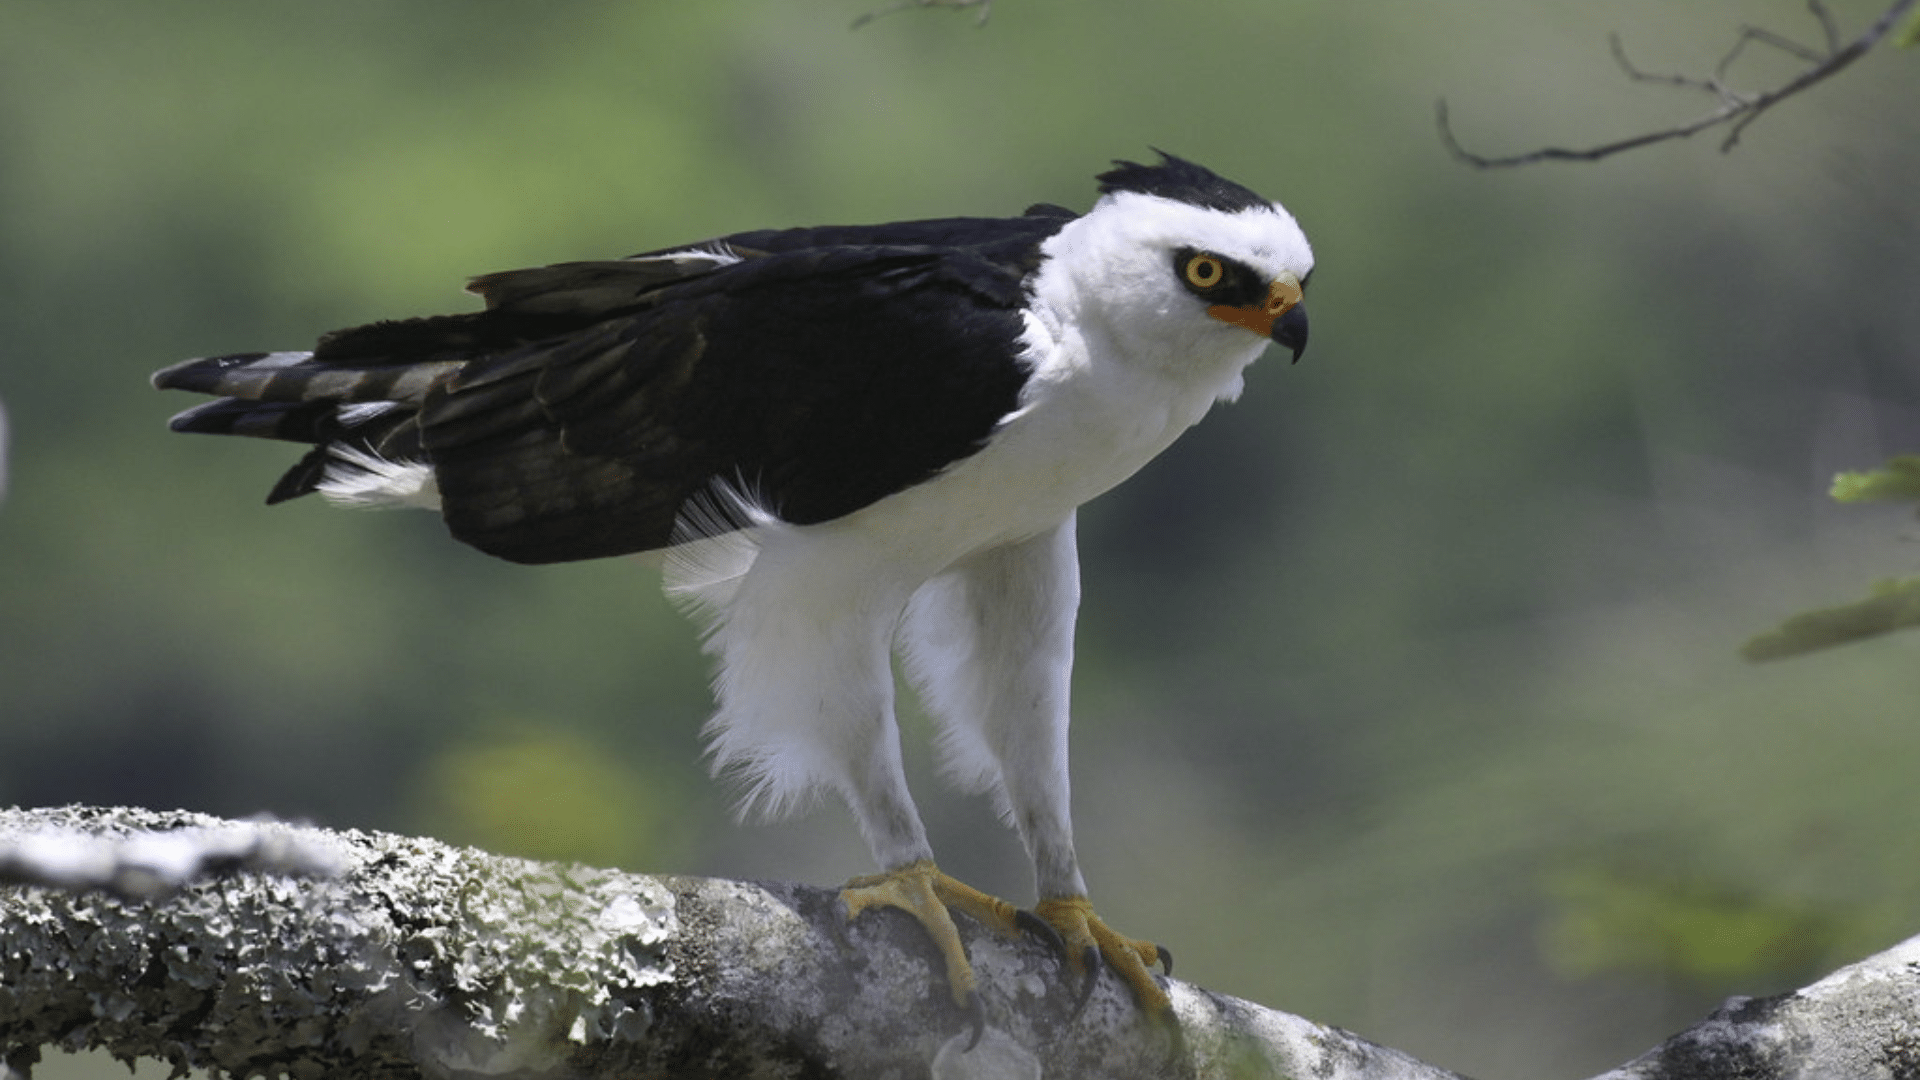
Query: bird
(847, 443)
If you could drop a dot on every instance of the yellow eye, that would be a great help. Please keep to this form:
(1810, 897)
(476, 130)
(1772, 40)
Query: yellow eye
(1204, 271)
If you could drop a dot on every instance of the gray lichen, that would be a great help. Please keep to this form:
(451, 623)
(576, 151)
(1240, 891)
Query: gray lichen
(416, 957)
(1860, 1021)
(400, 957)
(264, 949)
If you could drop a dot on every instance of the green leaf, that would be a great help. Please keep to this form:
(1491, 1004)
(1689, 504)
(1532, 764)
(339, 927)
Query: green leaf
(1898, 481)
(1894, 605)
(1909, 35)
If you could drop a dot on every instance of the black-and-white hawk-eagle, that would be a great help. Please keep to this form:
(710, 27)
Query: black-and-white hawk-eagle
(850, 442)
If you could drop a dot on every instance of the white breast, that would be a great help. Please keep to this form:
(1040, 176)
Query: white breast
(1087, 421)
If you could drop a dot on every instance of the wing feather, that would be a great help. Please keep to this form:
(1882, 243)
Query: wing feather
(598, 286)
(823, 380)
(590, 403)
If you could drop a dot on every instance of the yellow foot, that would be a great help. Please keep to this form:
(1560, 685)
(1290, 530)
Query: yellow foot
(1067, 923)
(922, 891)
(1088, 942)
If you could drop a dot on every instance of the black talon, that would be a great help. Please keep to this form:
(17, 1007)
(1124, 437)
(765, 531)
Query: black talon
(1091, 960)
(976, 1010)
(1040, 928)
(1166, 959)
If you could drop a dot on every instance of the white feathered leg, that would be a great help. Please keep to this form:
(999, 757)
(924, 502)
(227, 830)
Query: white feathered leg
(989, 643)
(785, 607)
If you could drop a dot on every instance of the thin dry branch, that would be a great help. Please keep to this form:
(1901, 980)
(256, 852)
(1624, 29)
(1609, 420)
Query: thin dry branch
(1735, 108)
(985, 6)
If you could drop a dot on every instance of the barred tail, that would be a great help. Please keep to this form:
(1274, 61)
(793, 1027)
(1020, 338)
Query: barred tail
(292, 377)
(359, 419)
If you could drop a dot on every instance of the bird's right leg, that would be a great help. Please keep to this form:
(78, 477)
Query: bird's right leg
(805, 689)
(991, 644)
(912, 882)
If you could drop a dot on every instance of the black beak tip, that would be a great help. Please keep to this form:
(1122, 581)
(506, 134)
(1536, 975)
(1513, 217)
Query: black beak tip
(1290, 331)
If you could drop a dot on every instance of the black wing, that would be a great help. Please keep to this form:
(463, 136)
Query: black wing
(578, 414)
(819, 381)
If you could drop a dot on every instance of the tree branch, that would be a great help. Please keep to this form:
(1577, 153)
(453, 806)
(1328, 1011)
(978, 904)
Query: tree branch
(1860, 1021)
(1735, 109)
(420, 959)
(416, 959)
(152, 865)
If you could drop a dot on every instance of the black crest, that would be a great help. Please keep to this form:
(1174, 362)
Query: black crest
(1177, 178)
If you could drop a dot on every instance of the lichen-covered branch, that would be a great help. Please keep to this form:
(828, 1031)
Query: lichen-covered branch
(1734, 109)
(419, 959)
(401, 957)
(1860, 1021)
(148, 865)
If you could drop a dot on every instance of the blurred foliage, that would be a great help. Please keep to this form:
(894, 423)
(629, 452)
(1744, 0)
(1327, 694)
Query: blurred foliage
(1651, 922)
(1899, 481)
(1893, 604)
(1367, 661)
(545, 794)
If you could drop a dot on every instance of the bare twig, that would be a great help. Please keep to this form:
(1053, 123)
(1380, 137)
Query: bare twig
(985, 6)
(1714, 85)
(1735, 109)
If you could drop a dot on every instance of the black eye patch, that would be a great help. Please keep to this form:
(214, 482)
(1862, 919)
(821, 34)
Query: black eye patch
(1218, 279)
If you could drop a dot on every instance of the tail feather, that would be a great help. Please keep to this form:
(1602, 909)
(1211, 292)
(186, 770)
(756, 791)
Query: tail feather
(356, 397)
(303, 421)
(304, 478)
(361, 410)
(208, 374)
(295, 377)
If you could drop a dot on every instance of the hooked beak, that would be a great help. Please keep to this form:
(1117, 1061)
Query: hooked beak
(1280, 316)
(1290, 331)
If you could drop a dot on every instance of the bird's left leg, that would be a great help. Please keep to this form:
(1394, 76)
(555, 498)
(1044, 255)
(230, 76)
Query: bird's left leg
(990, 643)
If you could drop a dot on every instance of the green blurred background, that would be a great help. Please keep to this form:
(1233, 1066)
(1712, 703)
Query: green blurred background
(1408, 697)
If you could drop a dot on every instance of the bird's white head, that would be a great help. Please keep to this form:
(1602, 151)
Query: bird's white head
(1179, 269)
